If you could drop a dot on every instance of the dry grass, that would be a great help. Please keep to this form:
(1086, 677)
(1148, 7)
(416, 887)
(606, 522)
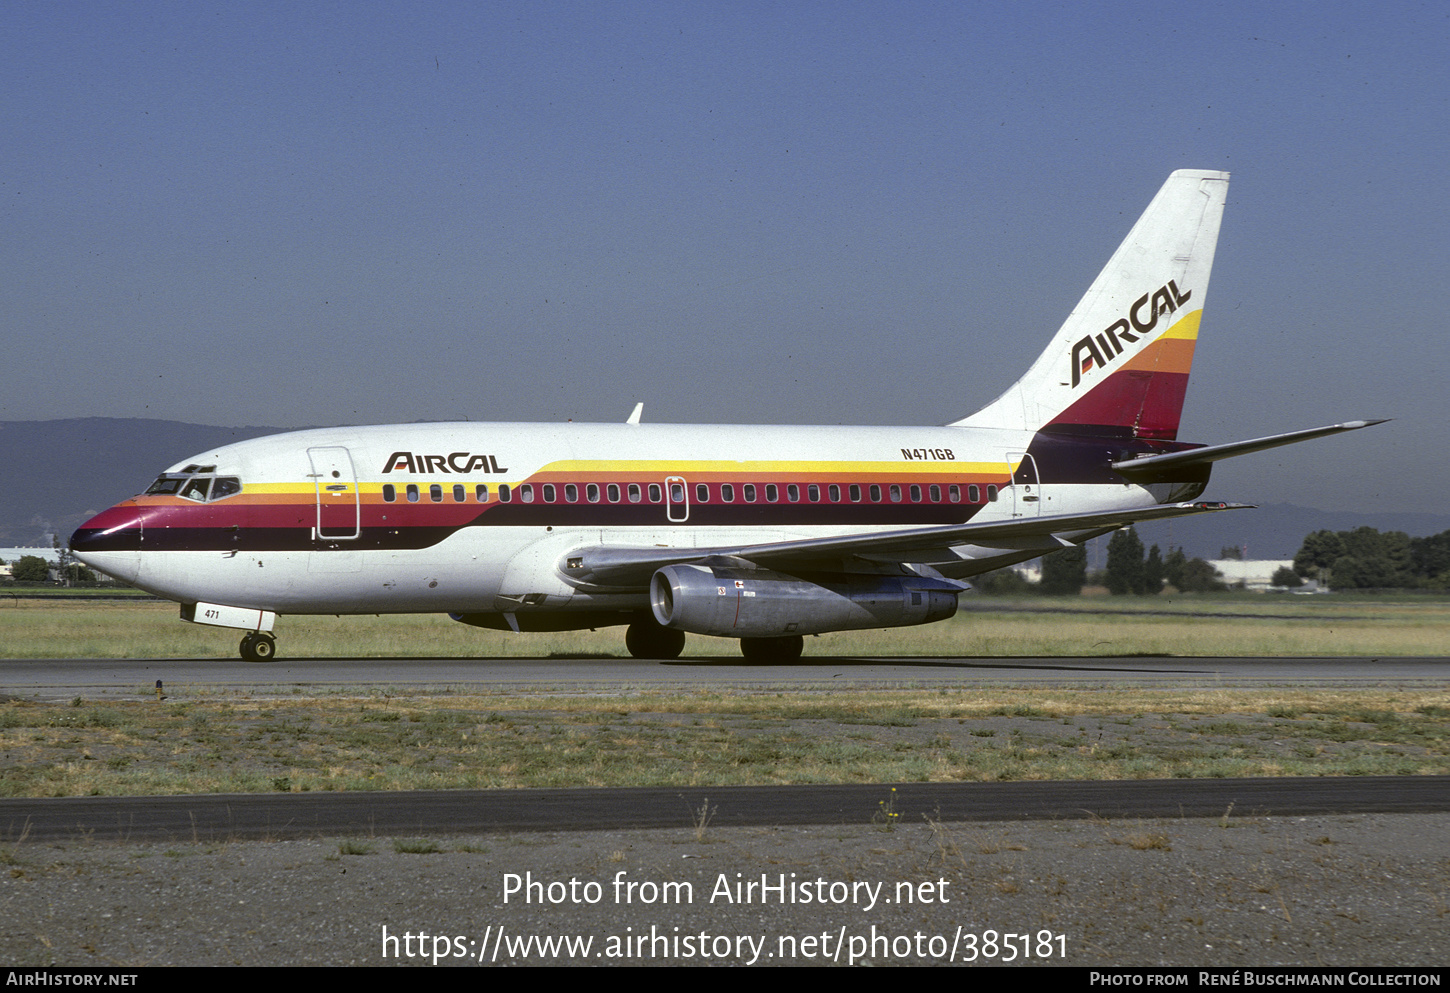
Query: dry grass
(1249, 625)
(245, 743)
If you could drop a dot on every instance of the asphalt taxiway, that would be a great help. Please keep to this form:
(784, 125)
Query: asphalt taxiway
(65, 678)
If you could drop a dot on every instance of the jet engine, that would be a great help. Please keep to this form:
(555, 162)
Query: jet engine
(757, 603)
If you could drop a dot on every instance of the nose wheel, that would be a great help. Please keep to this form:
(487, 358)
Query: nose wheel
(258, 646)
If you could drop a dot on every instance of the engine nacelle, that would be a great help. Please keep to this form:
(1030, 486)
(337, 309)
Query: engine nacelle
(751, 603)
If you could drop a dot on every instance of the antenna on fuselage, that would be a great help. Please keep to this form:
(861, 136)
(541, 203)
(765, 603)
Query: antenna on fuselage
(634, 417)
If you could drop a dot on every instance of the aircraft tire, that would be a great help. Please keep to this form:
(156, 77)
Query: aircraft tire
(647, 640)
(259, 648)
(772, 651)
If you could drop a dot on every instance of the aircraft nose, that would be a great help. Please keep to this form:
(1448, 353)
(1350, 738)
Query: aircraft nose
(111, 542)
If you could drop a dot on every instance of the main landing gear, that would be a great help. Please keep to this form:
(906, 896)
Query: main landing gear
(258, 646)
(646, 639)
(772, 651)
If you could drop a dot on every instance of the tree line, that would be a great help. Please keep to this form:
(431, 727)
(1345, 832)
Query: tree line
(1129, 571)
(1364, 558)
(1369, 559)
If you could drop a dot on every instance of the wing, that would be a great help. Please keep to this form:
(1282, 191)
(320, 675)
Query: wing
(630, 568)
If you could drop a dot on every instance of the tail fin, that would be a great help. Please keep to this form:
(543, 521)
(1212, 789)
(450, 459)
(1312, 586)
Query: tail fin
(1120, 363)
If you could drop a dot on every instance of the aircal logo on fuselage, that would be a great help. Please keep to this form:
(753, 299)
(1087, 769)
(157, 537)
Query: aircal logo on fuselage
(459, 462)
(1105, 346)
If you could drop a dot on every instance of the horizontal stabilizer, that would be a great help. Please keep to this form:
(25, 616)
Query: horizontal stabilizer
(1215, 453)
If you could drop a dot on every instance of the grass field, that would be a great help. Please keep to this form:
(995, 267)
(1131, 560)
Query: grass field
(235, 742)
(1244, 624)
(203, 741)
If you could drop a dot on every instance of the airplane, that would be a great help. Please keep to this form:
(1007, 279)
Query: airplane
(764, 534)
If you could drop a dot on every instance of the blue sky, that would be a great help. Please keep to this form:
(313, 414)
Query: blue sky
(290, 214)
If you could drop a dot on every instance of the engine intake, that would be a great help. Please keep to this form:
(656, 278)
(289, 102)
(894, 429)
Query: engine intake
(756, 603)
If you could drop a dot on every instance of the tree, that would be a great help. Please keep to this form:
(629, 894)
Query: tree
(1173, 567)
(1430, 560)
(1363, 558)
(30, 569)
(1200, 577)
(1317, 554)
(1154, 572)
(1125, 563)
(1064, 573)
(1003, 582)
(1231, 552)
(1284, 576)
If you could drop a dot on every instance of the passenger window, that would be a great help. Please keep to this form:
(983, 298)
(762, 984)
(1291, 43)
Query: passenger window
(548, 492)
(526, 493)
(727, 493)
(459, 493)
(855, 493)
(571, 493)
(895, 492)
(835, 493)
(634, 493)
(677, 493)
(915, 493)
(702, 493)
(935, 492)
(613, 492)
(390, 493)
(749, 489)
(655, 492)
(591, 492)
(954, 493)
(435, 493)
(480, 493)
(875, 492)
(504, 493)
(813, 493)
(991, 494)
(792, 492)
(412, 492)
(771, 493)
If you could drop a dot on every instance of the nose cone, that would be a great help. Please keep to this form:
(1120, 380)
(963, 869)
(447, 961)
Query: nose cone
(111, 542)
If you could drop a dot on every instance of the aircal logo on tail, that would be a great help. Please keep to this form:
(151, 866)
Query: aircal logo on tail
(459, 462)
(1105, 346)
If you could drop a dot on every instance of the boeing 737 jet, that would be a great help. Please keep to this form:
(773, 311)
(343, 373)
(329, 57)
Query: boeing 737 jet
(764, 534)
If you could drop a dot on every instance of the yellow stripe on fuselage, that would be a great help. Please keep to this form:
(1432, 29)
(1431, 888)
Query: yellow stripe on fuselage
(758, 468)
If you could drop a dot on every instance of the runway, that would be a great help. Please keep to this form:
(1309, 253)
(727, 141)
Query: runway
(297, 815)
(64, 678)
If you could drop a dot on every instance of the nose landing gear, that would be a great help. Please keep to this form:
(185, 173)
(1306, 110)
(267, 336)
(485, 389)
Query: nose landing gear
(258, 646)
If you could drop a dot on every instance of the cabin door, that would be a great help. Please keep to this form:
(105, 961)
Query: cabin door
(338, 504)
(1026, 489)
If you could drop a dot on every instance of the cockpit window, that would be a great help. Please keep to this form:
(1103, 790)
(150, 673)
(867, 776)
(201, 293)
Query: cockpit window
(196, 488)
(196, 483)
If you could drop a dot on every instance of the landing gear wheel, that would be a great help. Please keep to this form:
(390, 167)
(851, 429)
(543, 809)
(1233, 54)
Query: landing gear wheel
(647, 640)
(259, 647)
(772, 651)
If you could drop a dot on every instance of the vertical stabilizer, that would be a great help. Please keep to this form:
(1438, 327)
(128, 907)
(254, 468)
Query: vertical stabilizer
(1120, 363)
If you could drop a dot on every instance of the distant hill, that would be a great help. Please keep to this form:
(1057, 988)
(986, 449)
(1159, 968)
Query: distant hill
(58, 473)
